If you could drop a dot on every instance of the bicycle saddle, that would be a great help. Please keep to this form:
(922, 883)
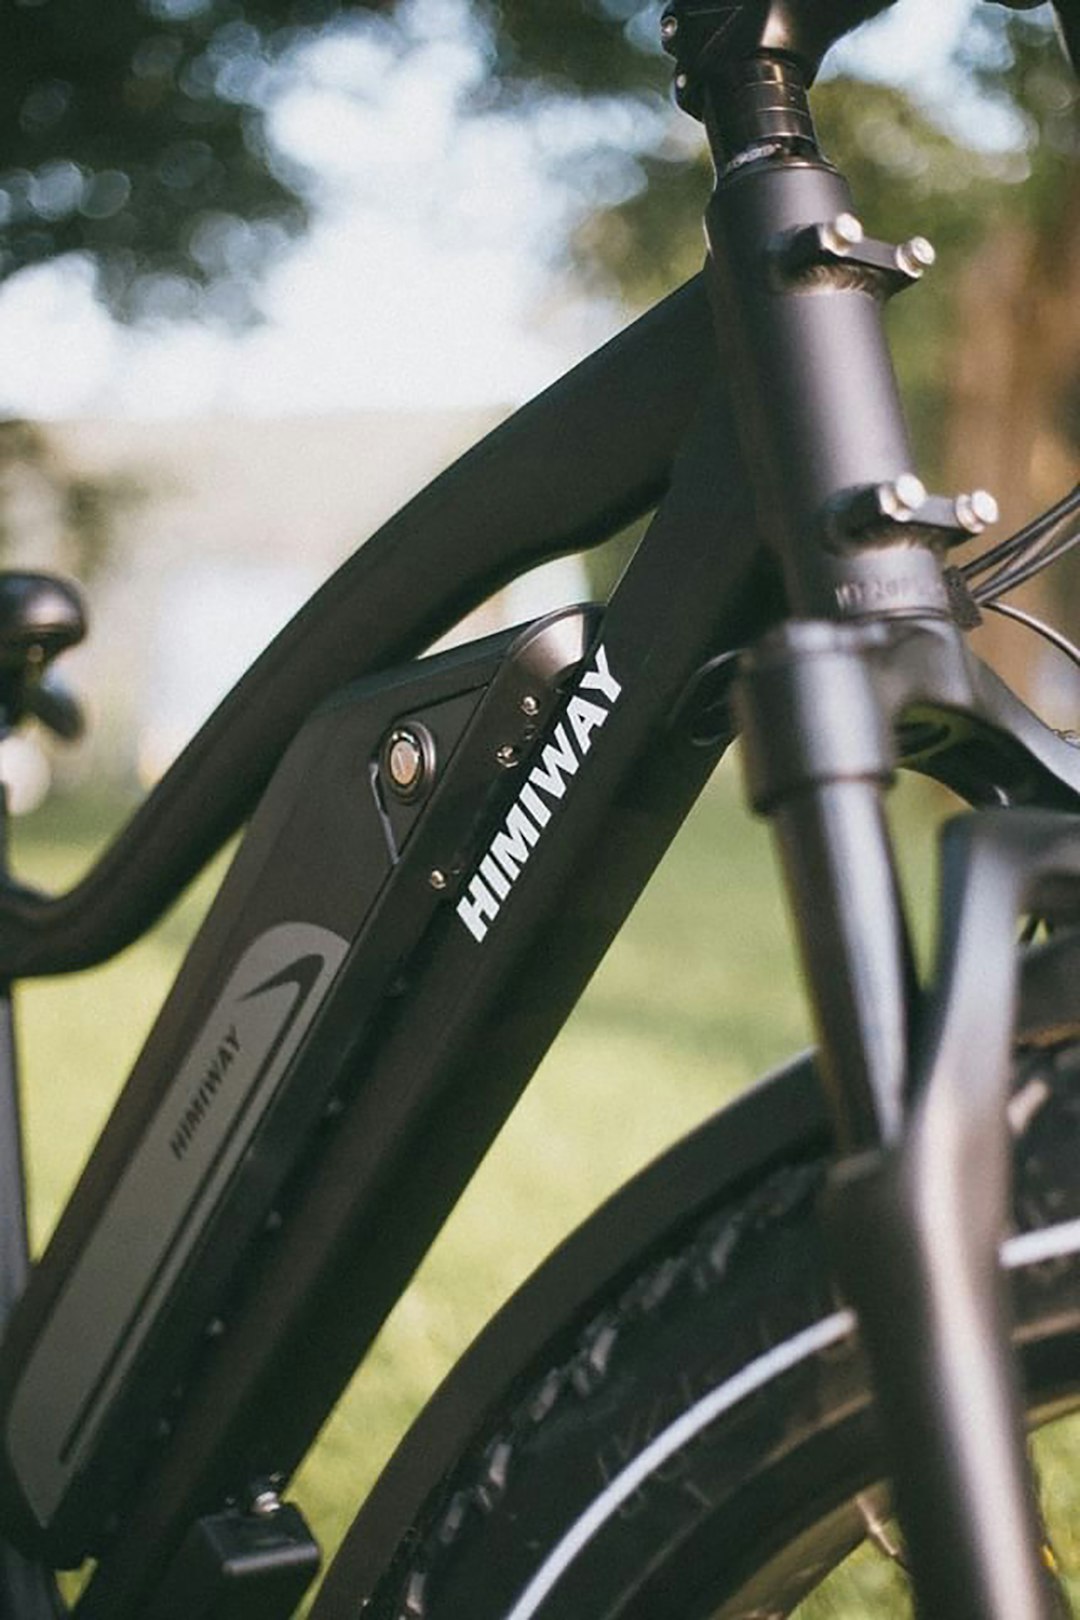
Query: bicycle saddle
(41, 616)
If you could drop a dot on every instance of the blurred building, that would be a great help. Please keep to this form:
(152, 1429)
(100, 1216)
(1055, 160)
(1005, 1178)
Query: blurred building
(232, 523)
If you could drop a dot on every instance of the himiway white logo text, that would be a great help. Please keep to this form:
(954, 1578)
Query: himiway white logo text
(545, 785)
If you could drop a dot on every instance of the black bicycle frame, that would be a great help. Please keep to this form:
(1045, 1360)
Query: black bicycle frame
(478, 1018)
(422, 1081)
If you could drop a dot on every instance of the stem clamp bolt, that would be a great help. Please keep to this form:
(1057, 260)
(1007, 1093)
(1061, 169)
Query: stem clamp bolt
(902, 498)
(977, 511)
(841, 234)
(915, 256)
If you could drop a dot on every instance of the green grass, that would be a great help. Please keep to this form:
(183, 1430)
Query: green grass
(697, 997)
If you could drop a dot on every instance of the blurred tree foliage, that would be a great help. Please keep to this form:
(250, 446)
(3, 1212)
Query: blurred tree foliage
(39, 487)
(137, 132)
(908, 176)
(134, 132)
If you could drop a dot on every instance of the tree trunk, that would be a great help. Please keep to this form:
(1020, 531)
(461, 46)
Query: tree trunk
(1013, 378)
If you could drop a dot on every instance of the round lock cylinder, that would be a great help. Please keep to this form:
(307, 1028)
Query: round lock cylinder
(407, 761)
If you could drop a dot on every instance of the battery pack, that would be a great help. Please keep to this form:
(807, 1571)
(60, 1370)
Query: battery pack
(221, 1108)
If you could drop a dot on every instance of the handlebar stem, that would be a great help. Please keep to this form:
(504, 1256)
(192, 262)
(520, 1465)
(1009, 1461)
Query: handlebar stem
(708, 40)
(797, 294)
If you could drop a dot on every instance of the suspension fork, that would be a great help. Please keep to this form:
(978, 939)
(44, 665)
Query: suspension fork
(797, 291)
(918, 1201)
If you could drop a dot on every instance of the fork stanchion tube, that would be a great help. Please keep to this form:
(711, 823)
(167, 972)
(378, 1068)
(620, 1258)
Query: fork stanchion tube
(856, 959)
(818, 753)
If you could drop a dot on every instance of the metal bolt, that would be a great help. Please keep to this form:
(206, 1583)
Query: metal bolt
(265, 1504)
(507, 756)
(841, 234)
(405, 760)
(975, 512)
(530, 706)
(669, 27)
(915, 256)
(681, 81)
(437, 879)
(902, 498)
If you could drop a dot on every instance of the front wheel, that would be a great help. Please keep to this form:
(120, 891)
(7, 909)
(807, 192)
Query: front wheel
(705, 1447)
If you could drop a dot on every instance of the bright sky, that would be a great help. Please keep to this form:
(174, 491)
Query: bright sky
(424, 284)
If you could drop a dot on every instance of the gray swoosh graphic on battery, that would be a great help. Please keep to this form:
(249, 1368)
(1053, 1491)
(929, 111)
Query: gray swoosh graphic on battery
(304, 975)
(166, 1195)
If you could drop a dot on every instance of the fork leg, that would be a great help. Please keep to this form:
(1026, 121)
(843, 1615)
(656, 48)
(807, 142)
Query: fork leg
(935, 1322)
(918, 1229)
(917, 1087)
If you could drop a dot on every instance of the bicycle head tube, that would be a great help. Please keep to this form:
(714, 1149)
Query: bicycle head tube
(798, 290)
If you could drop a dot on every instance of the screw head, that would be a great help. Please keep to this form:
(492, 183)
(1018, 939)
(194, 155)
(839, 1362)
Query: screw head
(438, 880)
(902, 498)
(669, 27)
(266, 1504)
(530, 706)
(842, 233)
(984, 506)
(916, 255)
(407, 761)
(507, 756)
(975, 512)
(404, 760)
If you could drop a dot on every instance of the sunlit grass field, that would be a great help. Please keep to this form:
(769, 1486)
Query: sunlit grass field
(698, 996)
